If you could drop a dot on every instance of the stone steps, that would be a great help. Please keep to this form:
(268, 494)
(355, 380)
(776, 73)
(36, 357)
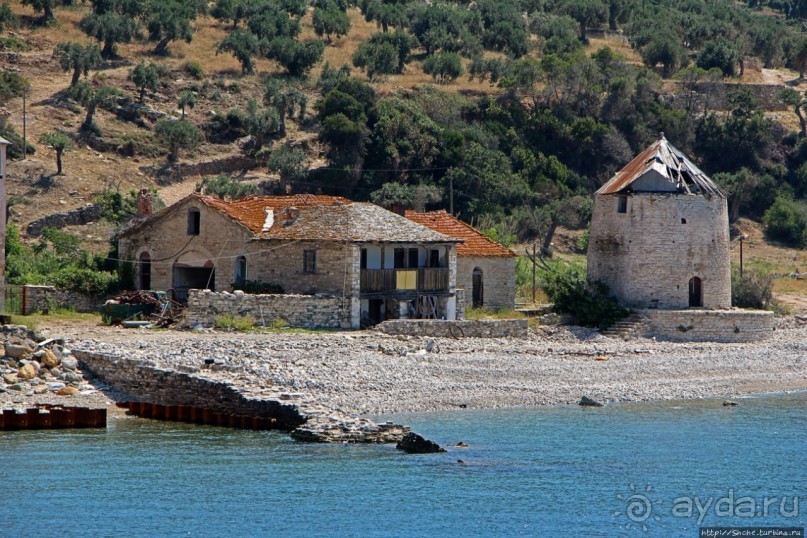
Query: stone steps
(624, 327)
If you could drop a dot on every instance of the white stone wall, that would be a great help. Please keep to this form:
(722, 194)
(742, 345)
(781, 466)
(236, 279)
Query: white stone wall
(308, 311)
(694, 325)
(648, 255)
(498, 277)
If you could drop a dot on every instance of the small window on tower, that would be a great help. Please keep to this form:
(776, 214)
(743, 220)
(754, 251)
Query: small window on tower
(309, 261)
(622, 204)
(683, 221)
(194, 221)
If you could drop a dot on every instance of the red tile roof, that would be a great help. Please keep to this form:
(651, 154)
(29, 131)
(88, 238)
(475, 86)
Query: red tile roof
(251, 211)
(476, 244)
(314, 217)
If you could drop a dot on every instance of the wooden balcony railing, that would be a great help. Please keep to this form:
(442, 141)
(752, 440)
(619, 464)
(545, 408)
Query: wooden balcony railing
(383, 280)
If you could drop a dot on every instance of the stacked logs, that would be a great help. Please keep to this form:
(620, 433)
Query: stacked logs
(199, 415)
(52, 417)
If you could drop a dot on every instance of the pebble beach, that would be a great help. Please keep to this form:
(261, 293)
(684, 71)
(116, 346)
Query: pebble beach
(367, 373)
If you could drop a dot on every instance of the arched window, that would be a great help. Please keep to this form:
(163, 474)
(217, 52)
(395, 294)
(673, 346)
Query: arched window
(695, 292)
(194, 221)
(240, 271)
(145, 271)
(478, 295)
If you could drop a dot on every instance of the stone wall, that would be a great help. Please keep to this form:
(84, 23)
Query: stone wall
(460, 298)
(717, 94)
(309, 311)
(648, 254)
(494, 328)
(498, 279)
(693, 325)
(82, 215)
(180, 171)
(141, 381)
(41, 298)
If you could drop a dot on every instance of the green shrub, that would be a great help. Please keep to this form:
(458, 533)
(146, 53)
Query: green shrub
(119, 207)
(256, 287)
(14, 44)
(194, 69)
(57, 260)
(234, 323)
(786, 221)
(14, 149)
(223, 186)
(278, 324)
(589, 303)
(753, 290)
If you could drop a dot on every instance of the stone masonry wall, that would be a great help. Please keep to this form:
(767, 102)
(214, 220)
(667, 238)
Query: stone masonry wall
(498, 328)
(307, 311)
(648, 255)
(82, 215)
(709, 325)
(40, 298)
(220, 240)
(141, 381)
(498, 279)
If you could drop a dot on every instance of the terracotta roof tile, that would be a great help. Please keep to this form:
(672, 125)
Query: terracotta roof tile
(476, 244)
(251, 211)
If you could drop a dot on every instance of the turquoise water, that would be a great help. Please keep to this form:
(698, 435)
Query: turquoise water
(563, 471)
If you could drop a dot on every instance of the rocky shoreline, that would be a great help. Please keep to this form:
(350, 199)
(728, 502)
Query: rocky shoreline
(347, 376)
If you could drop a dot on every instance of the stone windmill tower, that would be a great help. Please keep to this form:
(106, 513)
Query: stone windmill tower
(659, 234)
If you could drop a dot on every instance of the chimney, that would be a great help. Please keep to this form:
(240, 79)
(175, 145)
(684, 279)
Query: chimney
(292, 213)
(145, 203)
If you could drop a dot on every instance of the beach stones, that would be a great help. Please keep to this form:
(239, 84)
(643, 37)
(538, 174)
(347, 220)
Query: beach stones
(47, 358)
(27, 371)
(67, 391)
(17, 351)
(413, 443)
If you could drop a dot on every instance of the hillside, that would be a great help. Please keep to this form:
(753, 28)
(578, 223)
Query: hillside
(497, 125)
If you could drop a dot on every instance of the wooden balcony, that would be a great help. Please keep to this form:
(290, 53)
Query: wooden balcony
(388, 280)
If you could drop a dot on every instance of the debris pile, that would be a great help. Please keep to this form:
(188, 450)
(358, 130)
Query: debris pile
(140, 307)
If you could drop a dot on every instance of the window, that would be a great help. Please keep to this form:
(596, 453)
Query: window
(683, 221)
(363, 258)
(240, 271)
(145, 271)
(413, 258)
(309, 261)
(406, 258)
(434, 258)
(400, 258)
(194, 220)
(622, 204)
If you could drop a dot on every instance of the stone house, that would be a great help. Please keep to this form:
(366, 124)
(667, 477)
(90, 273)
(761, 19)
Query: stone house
(659, 234)
(380, 264)
(486, 270)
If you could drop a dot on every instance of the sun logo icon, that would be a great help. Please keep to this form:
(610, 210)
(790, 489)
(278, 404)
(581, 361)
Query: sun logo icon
(638, 508)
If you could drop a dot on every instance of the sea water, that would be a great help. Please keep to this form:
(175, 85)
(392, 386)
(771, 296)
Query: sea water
(620, 470)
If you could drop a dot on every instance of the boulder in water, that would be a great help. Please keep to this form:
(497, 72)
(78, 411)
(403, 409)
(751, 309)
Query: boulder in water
(589, 402)
(413, 443)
